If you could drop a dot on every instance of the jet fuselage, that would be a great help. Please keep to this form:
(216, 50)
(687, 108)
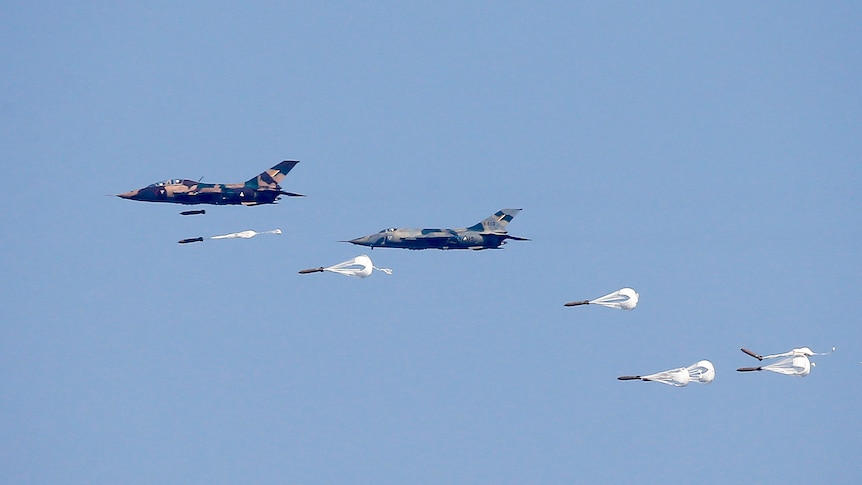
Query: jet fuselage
(263, 189)
(190, 192)
(490, 233)
(431, 239)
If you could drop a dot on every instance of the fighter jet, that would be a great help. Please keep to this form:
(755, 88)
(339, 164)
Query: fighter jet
(263, 189)
(488, 234)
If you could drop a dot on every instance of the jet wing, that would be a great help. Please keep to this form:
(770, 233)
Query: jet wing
(441, 238)
(503, 234)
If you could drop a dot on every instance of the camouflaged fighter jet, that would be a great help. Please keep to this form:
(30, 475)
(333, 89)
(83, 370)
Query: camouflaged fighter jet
(488, 234)
(263, 189)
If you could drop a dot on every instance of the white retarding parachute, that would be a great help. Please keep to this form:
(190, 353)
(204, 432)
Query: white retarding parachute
(233, 235)
(623, 299)
(795, 362)
(245, 234)
(360, 267)
(703, 371)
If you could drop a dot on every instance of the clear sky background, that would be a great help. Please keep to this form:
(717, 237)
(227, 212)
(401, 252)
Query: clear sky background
(705, 155)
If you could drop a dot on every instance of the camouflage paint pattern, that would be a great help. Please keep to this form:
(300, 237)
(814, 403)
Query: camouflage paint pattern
(487, 234)
(263, 189)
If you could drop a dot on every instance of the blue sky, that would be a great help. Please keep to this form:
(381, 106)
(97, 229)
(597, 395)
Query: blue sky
(705, 155)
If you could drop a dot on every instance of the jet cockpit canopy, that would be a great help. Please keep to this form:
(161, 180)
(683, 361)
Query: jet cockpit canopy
(167, 182)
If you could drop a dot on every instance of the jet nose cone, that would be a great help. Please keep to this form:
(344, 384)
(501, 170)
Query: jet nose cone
(361, 241)
(372, 240)
(128, 195)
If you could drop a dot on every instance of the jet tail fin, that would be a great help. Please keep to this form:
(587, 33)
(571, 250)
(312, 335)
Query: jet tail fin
(273, 176)
(496, 223)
